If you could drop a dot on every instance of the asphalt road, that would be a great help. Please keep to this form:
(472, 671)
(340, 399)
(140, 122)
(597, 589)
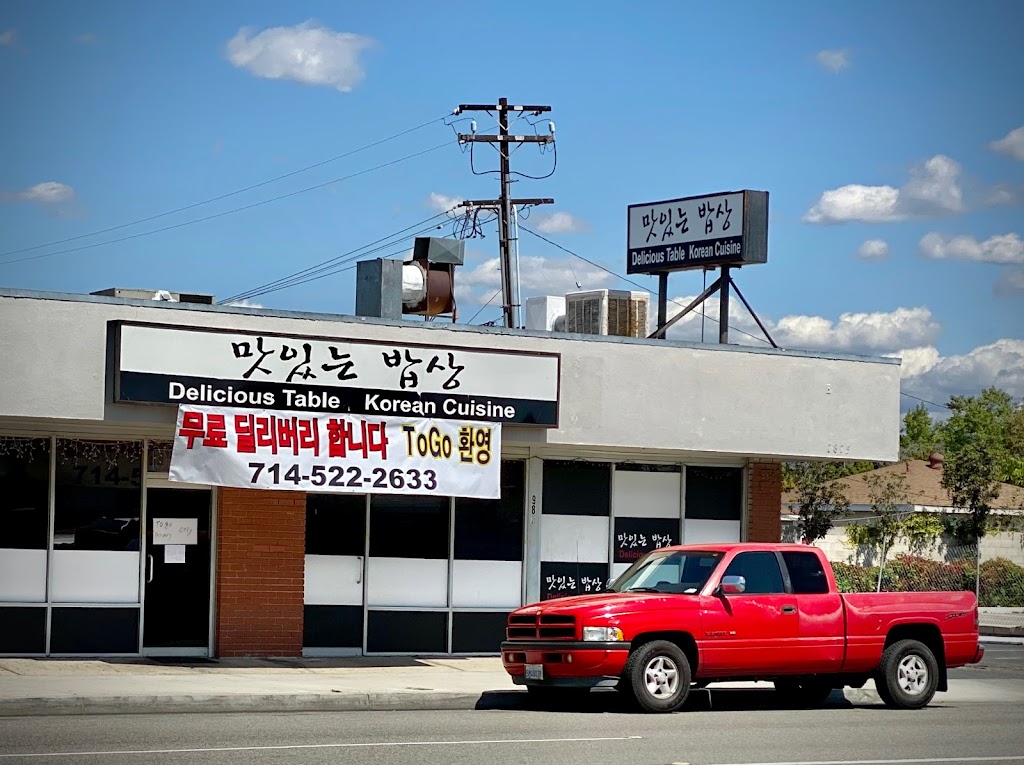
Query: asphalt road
(740, 728)
(968, 733)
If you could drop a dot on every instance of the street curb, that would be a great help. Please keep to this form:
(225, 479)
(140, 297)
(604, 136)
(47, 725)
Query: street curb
(199, 704)
(995, 631)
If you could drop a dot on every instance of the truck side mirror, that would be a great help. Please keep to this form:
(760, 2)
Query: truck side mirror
(732, 585)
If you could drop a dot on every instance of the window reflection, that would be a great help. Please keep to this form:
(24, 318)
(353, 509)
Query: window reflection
(99, 495)
(24, 492)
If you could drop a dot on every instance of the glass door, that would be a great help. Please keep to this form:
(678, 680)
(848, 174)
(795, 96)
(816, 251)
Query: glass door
(176, 618)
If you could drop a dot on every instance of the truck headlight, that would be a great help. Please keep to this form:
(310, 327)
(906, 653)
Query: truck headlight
(602, 634)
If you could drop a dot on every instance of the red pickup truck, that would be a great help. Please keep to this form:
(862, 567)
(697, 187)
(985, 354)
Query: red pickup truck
(698, 614)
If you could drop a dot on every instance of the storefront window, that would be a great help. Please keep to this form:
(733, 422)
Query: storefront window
(714, 493)
(24, 492)
(97, 521)
(492, 529)
(714, 505)
(407, 526)
(24, 521)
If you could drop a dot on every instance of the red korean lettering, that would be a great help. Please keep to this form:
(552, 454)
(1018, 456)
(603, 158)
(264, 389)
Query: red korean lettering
(377, 438)
(192, 427)
(266, 432)
(216, 432)
(287, 434)
(336, 441)
(245, 433)
(309, 438)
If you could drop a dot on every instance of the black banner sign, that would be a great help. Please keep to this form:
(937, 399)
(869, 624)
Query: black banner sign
(635, 537)
(562, 580)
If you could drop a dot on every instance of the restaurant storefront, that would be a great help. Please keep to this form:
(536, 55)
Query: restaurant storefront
(586, 452)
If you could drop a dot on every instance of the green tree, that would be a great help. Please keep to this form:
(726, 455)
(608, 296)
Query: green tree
(820, 500)
(976, 437)
(795, 473)
(920, 437)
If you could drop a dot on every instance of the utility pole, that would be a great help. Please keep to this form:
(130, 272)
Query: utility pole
(504, 204)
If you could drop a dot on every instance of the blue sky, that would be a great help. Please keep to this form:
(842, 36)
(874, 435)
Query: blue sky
(865, 121)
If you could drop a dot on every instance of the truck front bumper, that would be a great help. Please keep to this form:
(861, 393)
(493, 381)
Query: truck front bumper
(574, 664)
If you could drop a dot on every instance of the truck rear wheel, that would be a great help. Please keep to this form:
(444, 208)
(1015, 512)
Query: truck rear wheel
(803, 693)
(907, 676)
(658, 674)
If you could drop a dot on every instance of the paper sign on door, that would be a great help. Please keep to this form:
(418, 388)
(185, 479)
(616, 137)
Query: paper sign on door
(174, 553)
(175, 531)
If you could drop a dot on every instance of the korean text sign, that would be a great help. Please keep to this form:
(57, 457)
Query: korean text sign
(358, 454)
(694, 232)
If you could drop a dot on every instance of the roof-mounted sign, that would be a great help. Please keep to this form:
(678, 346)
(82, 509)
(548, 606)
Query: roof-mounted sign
(729, 228)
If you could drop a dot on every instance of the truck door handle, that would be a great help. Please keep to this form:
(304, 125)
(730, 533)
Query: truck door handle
(789, 609)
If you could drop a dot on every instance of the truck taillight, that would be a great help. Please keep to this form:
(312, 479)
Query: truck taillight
(977, 618)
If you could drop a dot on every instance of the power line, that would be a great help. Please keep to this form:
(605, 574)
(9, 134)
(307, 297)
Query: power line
(924, 400)
(228, 212)
(484, 306)
(330, 267)
(227, 195)
(620, 276)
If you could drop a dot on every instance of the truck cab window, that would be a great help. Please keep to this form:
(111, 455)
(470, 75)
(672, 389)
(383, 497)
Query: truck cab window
(805, 573)
(761, 571)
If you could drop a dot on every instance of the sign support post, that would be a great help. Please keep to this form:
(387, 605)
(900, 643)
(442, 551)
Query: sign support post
(728, 230)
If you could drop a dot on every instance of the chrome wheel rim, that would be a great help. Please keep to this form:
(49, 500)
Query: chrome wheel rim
(661, 677)
(912, 675)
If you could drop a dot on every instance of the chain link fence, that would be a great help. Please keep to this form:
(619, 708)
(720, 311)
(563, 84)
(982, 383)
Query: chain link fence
(993, 569)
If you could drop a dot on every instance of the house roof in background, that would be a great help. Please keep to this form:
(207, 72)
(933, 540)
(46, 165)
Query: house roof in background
(924, 484)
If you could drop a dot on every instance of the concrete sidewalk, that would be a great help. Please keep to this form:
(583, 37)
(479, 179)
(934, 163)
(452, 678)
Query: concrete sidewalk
(54, 686)
(1005, 622)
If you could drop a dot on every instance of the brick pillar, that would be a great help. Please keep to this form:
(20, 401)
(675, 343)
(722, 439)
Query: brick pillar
(764, 501)
(261, 546)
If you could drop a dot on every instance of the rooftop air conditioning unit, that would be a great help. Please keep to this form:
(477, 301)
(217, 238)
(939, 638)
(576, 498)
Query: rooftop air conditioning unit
(546, 313)
(622, 313)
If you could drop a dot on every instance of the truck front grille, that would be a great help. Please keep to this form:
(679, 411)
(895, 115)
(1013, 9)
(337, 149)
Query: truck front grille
(542, 627)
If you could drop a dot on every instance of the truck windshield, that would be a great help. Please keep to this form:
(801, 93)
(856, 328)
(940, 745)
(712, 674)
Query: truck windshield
(683, 573)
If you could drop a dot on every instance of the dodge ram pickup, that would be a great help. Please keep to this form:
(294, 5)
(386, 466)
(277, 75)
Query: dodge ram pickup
(692, 615)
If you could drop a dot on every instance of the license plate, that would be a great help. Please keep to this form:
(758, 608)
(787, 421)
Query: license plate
(534, 671)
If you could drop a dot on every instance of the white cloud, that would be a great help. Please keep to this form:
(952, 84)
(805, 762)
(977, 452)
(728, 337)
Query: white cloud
(561, 223)
(1003, 194)
(8, 36)
(873, 249)
(834, 60)
(883, 332)
(1000, 364)
(916, 361)
(1005, 249)
(308, 53)
(933, 190)
(1012, 144)
(1010, 283)
(538, 276)
(860, 332)
(444, 203)
(46, 193)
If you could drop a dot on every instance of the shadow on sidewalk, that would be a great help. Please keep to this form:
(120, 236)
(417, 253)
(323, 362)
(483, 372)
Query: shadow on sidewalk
(353, 662)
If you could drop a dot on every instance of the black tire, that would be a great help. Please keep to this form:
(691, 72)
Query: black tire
(907, 676)
(663, 665)
(803, 692)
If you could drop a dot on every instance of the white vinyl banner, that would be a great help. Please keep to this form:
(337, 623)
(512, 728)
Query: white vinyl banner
(340, 453)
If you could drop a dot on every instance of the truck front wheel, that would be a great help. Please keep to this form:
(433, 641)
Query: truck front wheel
(658, 674)
(908, 675)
